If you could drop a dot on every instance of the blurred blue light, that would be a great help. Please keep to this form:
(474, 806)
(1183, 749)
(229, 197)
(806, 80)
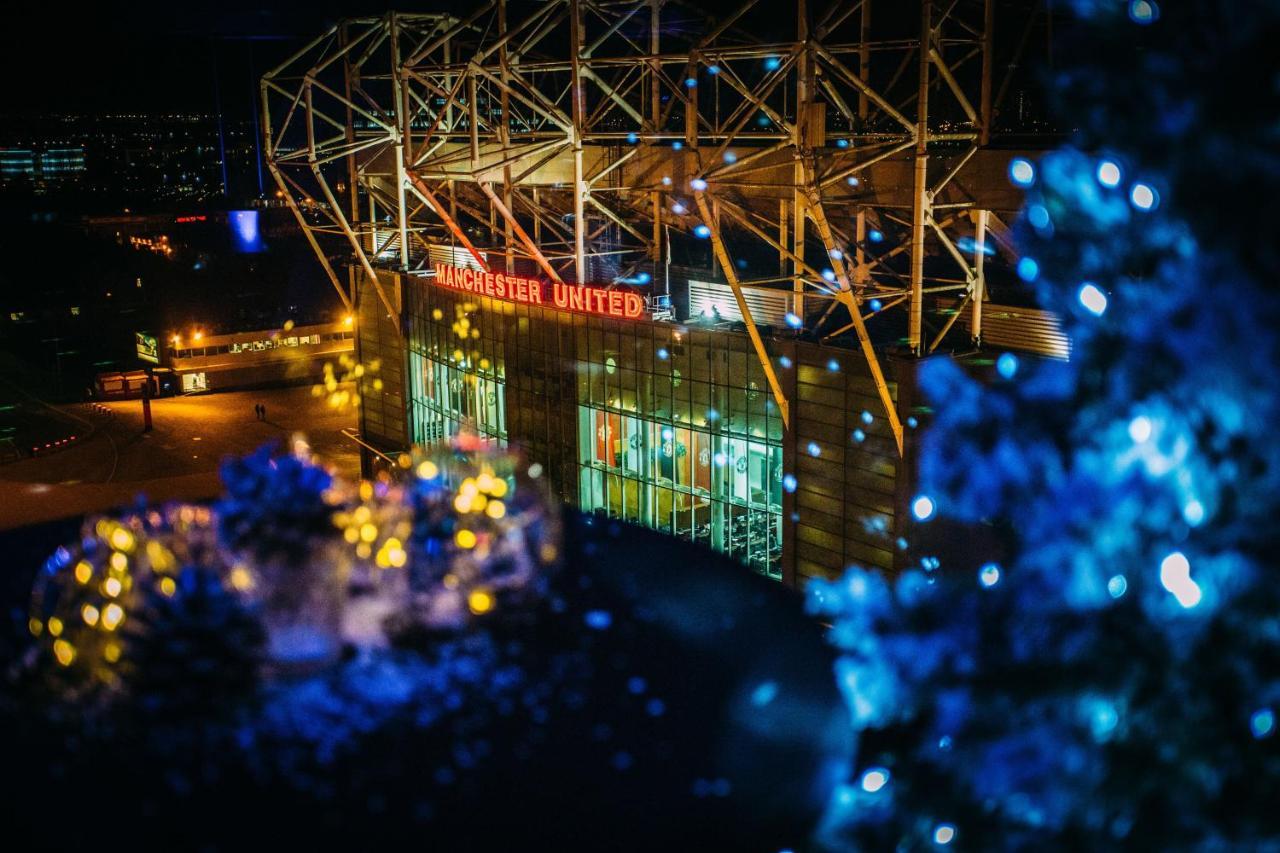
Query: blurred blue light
(833, 366)
(730, 157)
(794, 321)
(1175, 576)
(663, 353)
(677, 145)
(773, 63)
(875, 235)
(814, 449)
(702, 231)
(867, 417)
(1028, 269)
(632, 137)
(1007, 365)
(944, 834)
(1093, 299)
(1143, 197)
(859, 436)
(875, 779)
(989, 575)
(698, 184)
(784, 361)
(829, 274)
(789, 482)
(852, 181)
(1117, 586)
(1144, 12)
(875, 304)
(1022, 172)
(842, 143)
(1262, 723)
(1108, 173)
(598, 619)
(923, 508)
(1140, 429)
(691, 82)
(713, 69)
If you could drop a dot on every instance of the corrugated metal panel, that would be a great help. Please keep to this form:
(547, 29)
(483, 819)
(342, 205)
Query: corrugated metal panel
(768, 307)
(456, 256)
(1027, 329)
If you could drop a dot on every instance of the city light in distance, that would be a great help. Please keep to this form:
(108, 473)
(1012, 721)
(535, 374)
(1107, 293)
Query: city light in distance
(923, 508)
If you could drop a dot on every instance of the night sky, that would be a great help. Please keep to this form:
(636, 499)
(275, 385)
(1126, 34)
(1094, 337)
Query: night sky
(149, 56)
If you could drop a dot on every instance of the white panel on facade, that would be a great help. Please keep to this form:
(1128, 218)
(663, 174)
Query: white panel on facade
(768, 307)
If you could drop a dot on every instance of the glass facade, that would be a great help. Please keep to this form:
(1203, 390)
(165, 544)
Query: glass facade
(653, 423)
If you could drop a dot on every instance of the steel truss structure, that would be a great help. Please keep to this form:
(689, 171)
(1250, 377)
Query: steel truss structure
(578, 138)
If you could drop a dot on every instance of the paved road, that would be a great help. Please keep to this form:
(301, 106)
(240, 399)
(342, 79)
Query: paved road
(177, 460)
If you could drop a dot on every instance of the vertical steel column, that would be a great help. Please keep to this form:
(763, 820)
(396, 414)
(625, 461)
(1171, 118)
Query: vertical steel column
(861, 277)
(655, 117)
(400, 121)
(979, 277)
(504, 135)
(988, 36)
(800, 148)
(579, 120)
(920, 197)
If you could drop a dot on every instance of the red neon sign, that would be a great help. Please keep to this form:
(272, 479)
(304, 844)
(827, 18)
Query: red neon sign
(533, 291)
(197, 218)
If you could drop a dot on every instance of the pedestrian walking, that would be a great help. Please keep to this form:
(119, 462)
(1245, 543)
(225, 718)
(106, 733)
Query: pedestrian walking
(264, 411)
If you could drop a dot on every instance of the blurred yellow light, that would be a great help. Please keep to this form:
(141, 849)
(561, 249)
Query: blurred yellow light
(35, 626)
(398, 557)
(404, 460)
(465, 539)
(84, 572)
(496, 509)
(241, 579)
(351, 534)
(427, 470)
(55, 626)
(119, 561)
(111, 586)
(90, 615)
(366, 492)
(111, 652)
(499, 487)
(462, 503)
(64, 652)
(450, 581)
(198, 336)
(484, 482)
(348, 320)
(112, 615)
(437, 314)
(368, 532)
(548, 553)
(168, 587)
(363, 550)
(480, 601)
(121, 539)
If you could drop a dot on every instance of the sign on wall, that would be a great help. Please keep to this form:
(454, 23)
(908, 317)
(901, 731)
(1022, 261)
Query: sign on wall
(532, 291)
(148, 347)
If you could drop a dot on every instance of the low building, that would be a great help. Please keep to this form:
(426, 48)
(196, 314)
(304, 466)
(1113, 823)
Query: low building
(252, 359)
